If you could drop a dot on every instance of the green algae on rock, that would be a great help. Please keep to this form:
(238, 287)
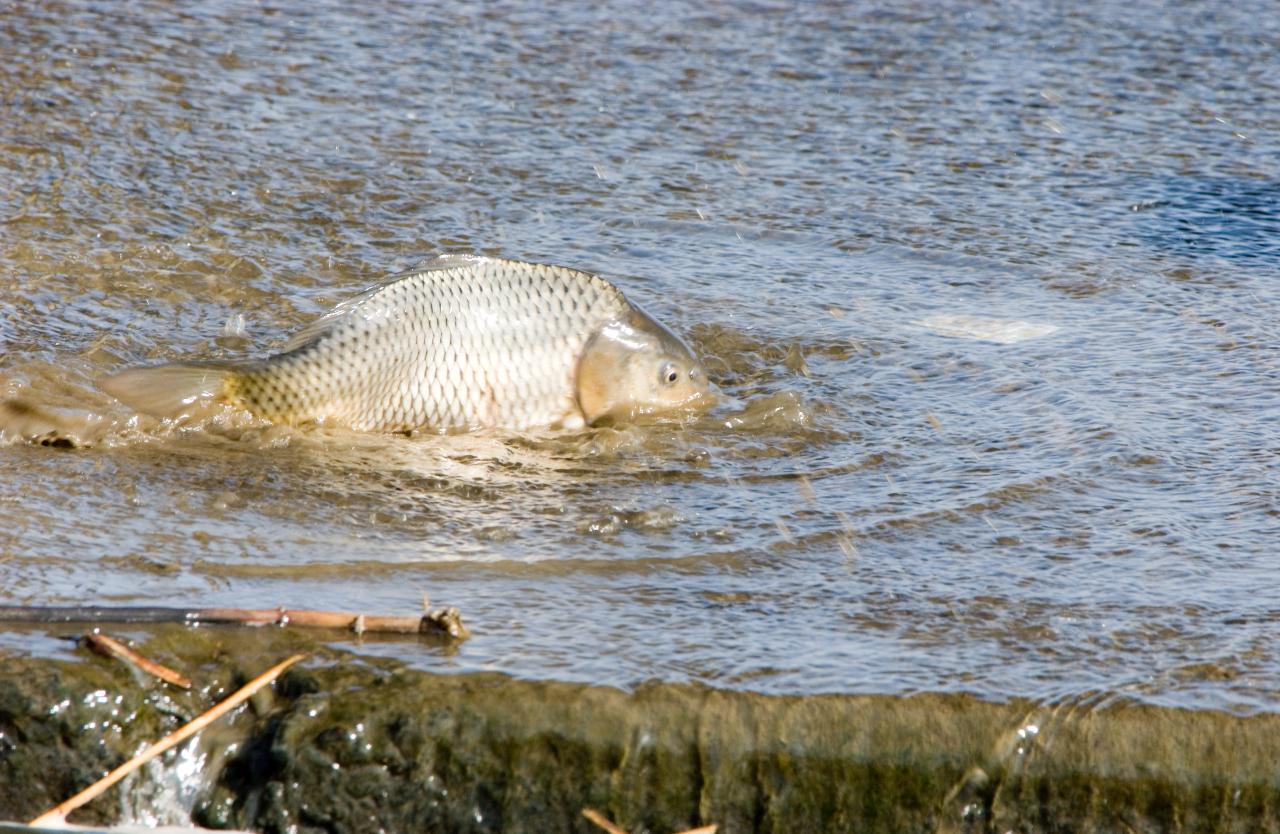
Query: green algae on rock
(351, 745)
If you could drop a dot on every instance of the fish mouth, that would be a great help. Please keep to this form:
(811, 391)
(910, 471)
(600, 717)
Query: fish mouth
(671, 413)
(705, 399)
(693, 406)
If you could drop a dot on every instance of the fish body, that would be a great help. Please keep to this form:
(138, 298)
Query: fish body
(461, 343)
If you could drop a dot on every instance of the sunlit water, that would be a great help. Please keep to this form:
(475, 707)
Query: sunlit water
(894, 498)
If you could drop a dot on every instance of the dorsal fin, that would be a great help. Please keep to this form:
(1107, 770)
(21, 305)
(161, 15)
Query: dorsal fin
(445, 261)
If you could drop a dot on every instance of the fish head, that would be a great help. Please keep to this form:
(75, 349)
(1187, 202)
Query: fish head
(633, 366)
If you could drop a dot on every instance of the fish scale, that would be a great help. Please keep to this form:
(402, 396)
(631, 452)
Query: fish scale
(462, 342)
(442, 347)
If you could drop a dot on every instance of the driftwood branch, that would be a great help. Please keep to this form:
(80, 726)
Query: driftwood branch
(57, 816)
(445, 622)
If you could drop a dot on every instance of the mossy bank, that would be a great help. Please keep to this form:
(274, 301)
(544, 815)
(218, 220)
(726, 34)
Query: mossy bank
(342, 744)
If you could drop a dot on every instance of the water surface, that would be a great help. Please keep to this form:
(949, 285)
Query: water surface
(883, 505)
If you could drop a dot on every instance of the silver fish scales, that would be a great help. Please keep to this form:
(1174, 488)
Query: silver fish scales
(461, 343)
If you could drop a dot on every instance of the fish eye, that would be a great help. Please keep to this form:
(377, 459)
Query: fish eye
(669, 373)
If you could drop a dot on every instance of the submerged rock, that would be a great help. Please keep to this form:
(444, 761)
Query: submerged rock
(349, 745)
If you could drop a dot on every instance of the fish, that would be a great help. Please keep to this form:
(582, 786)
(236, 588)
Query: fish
(460, 343)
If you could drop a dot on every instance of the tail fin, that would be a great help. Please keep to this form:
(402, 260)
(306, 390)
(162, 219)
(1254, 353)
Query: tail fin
(168, 390)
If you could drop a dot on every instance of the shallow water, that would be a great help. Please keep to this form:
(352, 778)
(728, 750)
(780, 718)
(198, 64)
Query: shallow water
(890, 501)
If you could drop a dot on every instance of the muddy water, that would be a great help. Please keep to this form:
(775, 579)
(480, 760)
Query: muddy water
(991, 292)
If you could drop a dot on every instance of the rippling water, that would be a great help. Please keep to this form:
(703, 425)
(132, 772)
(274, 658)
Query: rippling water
(846, 207)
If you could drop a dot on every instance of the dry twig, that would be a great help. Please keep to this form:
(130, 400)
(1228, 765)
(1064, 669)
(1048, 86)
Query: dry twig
(111, 647)
(58, 816)
(602, 821)
(605, 823)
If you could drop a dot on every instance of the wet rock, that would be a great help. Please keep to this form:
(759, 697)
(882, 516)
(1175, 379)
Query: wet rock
(61, 730)
(347, 744)
(410, 751)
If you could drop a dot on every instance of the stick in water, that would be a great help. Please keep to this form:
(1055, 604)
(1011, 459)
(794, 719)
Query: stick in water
(446, 622)
(58, 816)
